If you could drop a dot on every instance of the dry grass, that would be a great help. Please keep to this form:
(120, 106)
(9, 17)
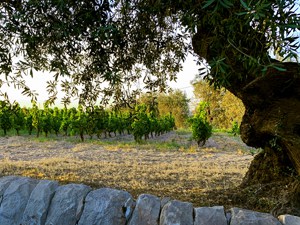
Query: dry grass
(169, 166)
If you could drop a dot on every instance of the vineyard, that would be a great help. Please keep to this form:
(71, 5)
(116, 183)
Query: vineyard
(97, 122)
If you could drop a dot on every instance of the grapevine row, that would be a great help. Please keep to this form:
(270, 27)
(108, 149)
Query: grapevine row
(99, 122)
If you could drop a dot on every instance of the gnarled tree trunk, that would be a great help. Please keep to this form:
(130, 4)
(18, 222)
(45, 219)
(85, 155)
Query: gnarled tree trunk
(271, 120)
(272, 116)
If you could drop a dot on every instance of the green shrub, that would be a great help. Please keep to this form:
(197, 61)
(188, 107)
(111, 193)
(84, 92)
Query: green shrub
(201, 129)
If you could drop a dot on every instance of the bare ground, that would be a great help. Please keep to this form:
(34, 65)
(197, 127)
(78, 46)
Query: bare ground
(206, 176)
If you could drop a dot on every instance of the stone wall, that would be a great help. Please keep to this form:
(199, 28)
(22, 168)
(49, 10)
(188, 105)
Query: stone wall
(26, 201)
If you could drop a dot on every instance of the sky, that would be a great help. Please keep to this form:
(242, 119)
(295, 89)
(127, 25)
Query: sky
(38, 83)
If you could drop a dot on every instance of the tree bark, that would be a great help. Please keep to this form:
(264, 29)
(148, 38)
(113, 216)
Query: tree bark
(271, 120)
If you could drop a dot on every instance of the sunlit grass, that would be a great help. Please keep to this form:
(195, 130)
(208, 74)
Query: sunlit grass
(166, 166)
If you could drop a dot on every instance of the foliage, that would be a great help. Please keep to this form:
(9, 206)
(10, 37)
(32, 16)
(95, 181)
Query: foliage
(224, 108)
(174, 102)
(201, 129)
(81, 122)
(17, 117)
(145, 124)
(65, 123)
(88, 44)
(37, 122)
(28, 120)
(140, 125)
(114, 42)
(235, 130)
(56, 120)
(78, 124)
(46, 119)
(5, 116)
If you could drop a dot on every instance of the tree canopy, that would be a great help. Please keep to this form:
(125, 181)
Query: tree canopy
(100, 48)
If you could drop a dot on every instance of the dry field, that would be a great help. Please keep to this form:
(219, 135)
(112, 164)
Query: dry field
(167, 166)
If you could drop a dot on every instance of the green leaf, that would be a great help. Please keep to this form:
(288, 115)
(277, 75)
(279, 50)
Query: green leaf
(245, 5)
(264, 69)
(225, 4)
(279, 68)
(208, 3)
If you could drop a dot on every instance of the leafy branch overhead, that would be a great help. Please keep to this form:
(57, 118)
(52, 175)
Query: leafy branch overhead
(105, 49)
(101, 47)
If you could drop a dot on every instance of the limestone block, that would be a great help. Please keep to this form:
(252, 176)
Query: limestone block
(177, 213)
(4, 183)
(210, 215)
(67, 204)
(248, 217)
(106, 206)
(146, 211)
(15, 199)
(38, 204)
(289, 219)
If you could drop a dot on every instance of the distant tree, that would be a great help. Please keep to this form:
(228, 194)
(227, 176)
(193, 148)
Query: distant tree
(150, 101)
(223, 107)
(176, 103)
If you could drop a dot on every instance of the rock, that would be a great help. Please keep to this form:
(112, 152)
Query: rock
(228, 217)
(15, 199)
(105, 206)
(247, 217)
(39, 202)
(129, 206)
(146, 211)
(4, 183)
(289, 219)
(67, 204)
(210, 215)
(164, 201)
(177, 213)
